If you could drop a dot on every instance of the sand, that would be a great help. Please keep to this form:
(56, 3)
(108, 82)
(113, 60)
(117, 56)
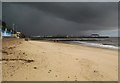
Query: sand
(50, 61)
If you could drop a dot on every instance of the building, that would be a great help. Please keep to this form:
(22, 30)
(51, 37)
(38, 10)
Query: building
(8, 33)
(20, 35)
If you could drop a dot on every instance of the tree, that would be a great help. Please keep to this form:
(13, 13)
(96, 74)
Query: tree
(4, 25)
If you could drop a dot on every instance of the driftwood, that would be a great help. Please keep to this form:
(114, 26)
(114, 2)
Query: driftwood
(26, 39)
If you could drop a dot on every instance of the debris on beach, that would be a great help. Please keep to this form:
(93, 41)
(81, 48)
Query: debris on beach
(56, 76)
(11, 47)
(23, 52)
(95, 71)
(35, 67)
(28, 61)
(5, 52)
(26, 39)
(49, 71)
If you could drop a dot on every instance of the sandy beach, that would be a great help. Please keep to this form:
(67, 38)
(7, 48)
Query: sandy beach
(51, 61)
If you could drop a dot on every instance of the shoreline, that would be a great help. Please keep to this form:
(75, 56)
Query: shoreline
(79, 44)
(49, 61)
(97, 45)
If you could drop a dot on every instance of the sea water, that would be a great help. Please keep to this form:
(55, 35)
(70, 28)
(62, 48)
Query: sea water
(111, 43)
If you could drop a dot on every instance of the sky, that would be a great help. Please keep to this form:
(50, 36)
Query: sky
(62, 18)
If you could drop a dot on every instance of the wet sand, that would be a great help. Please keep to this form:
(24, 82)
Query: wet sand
(50, 61)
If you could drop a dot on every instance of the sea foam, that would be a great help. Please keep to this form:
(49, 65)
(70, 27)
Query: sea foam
(98, 45)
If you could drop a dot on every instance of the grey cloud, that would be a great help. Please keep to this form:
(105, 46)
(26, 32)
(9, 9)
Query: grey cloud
(61, 18)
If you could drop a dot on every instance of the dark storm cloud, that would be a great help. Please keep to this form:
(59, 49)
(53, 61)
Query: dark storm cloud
(81, 12)
(61, 18)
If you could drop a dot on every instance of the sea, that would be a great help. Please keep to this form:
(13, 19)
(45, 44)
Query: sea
(108, 43)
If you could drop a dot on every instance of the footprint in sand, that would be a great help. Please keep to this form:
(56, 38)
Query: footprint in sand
(11, 75)
(26, 78)
(76, 59)
(43, 52)
(75, 80)
(75, 77)
(89, 69)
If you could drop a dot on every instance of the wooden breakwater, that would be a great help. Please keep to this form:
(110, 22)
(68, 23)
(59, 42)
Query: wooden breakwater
(56, 39)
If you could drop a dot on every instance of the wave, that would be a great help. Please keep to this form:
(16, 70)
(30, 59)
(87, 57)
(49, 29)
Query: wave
(97, 45)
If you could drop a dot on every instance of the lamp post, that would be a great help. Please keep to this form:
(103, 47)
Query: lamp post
(13, 29)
